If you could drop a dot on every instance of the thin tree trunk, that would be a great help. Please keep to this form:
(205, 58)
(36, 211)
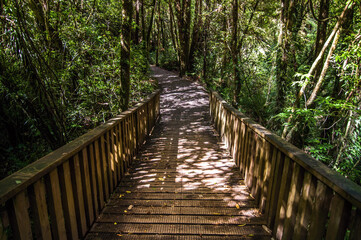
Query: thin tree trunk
(125, 53)
(334, 36)
(235, 53)
(137, 23)
(151, 24)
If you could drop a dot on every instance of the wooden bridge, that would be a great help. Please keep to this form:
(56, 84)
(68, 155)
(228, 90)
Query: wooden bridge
(197, 176)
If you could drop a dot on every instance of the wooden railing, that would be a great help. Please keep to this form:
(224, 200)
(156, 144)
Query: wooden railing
(60, 195)
(300, 197)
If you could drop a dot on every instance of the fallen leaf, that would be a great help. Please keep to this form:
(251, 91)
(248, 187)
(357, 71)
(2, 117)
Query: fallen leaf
(237, 206)
(128, 192)
(119, 235)
(17, 181)
(216, 213)
(266, 228)
(161, 179)
(125, 211)
(121, 195)
(241, 225)
(130, 207)
(250, 235)
(115, 223)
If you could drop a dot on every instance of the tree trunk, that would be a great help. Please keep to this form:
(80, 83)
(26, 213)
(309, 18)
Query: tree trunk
(137, 23)
(235, 53)
(150, 26)
(321, 32)
(125, 53)
(290, 22)
(184, 22)
(158, 38)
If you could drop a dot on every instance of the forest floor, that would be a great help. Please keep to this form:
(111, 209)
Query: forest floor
(183, 184)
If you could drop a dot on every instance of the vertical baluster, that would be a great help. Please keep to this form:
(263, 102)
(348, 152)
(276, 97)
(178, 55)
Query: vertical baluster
(250, 160)
(355, 229)
(259, 181)
(117, 152)
(4, 224)
(256, 165)
(271, 208)
(93, 178)
(340, 211)
(110, 162)
(246, 150)
(39, 209)
(305, 207)
(242, 147)
(78, 194)
(320, 211)
(269, 161)
(55, 205)
(100, 174)
(282, 198)
(19, 216)
(68, 201)
(293, 201)
(105, 167)
(120, 148)
(88, 200)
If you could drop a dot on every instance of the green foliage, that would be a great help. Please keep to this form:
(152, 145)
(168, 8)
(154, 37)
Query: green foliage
(60, 72)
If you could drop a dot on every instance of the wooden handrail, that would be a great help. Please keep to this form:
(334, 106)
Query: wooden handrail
(301, 197)
(70, 185)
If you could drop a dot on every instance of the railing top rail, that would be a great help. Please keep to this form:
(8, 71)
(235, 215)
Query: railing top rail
(343, 186)
(21, 179)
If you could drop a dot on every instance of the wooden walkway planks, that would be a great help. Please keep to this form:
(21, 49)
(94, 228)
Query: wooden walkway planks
(183, 184)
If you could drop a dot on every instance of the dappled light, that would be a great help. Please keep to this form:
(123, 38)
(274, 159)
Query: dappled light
(183, 170)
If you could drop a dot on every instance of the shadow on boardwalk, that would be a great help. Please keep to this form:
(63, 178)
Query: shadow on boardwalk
(183, 184)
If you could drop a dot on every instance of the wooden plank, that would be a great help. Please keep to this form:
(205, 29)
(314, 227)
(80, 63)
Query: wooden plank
(319, 211)
(305, 207)
(19, 216)
(355, 229)
(293, 201)
(93, 178)
(267, 177)
(55, 205)
(257, 179)
(85, 175)
(340, 211)
(117, 152)
(37, 198)
(3, 225)
(246, 152)
(113, 155)
(244, 137)
(71, 223)
(105, 167)
(79, 189)
(282, 198)
(100, 175)
(251, 160)
(120, 150)
(110, 161)
(346, 188)
(260, 170)
(124, 150)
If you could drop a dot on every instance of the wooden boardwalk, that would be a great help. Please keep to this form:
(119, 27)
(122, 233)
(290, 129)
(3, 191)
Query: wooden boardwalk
(182, 184)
